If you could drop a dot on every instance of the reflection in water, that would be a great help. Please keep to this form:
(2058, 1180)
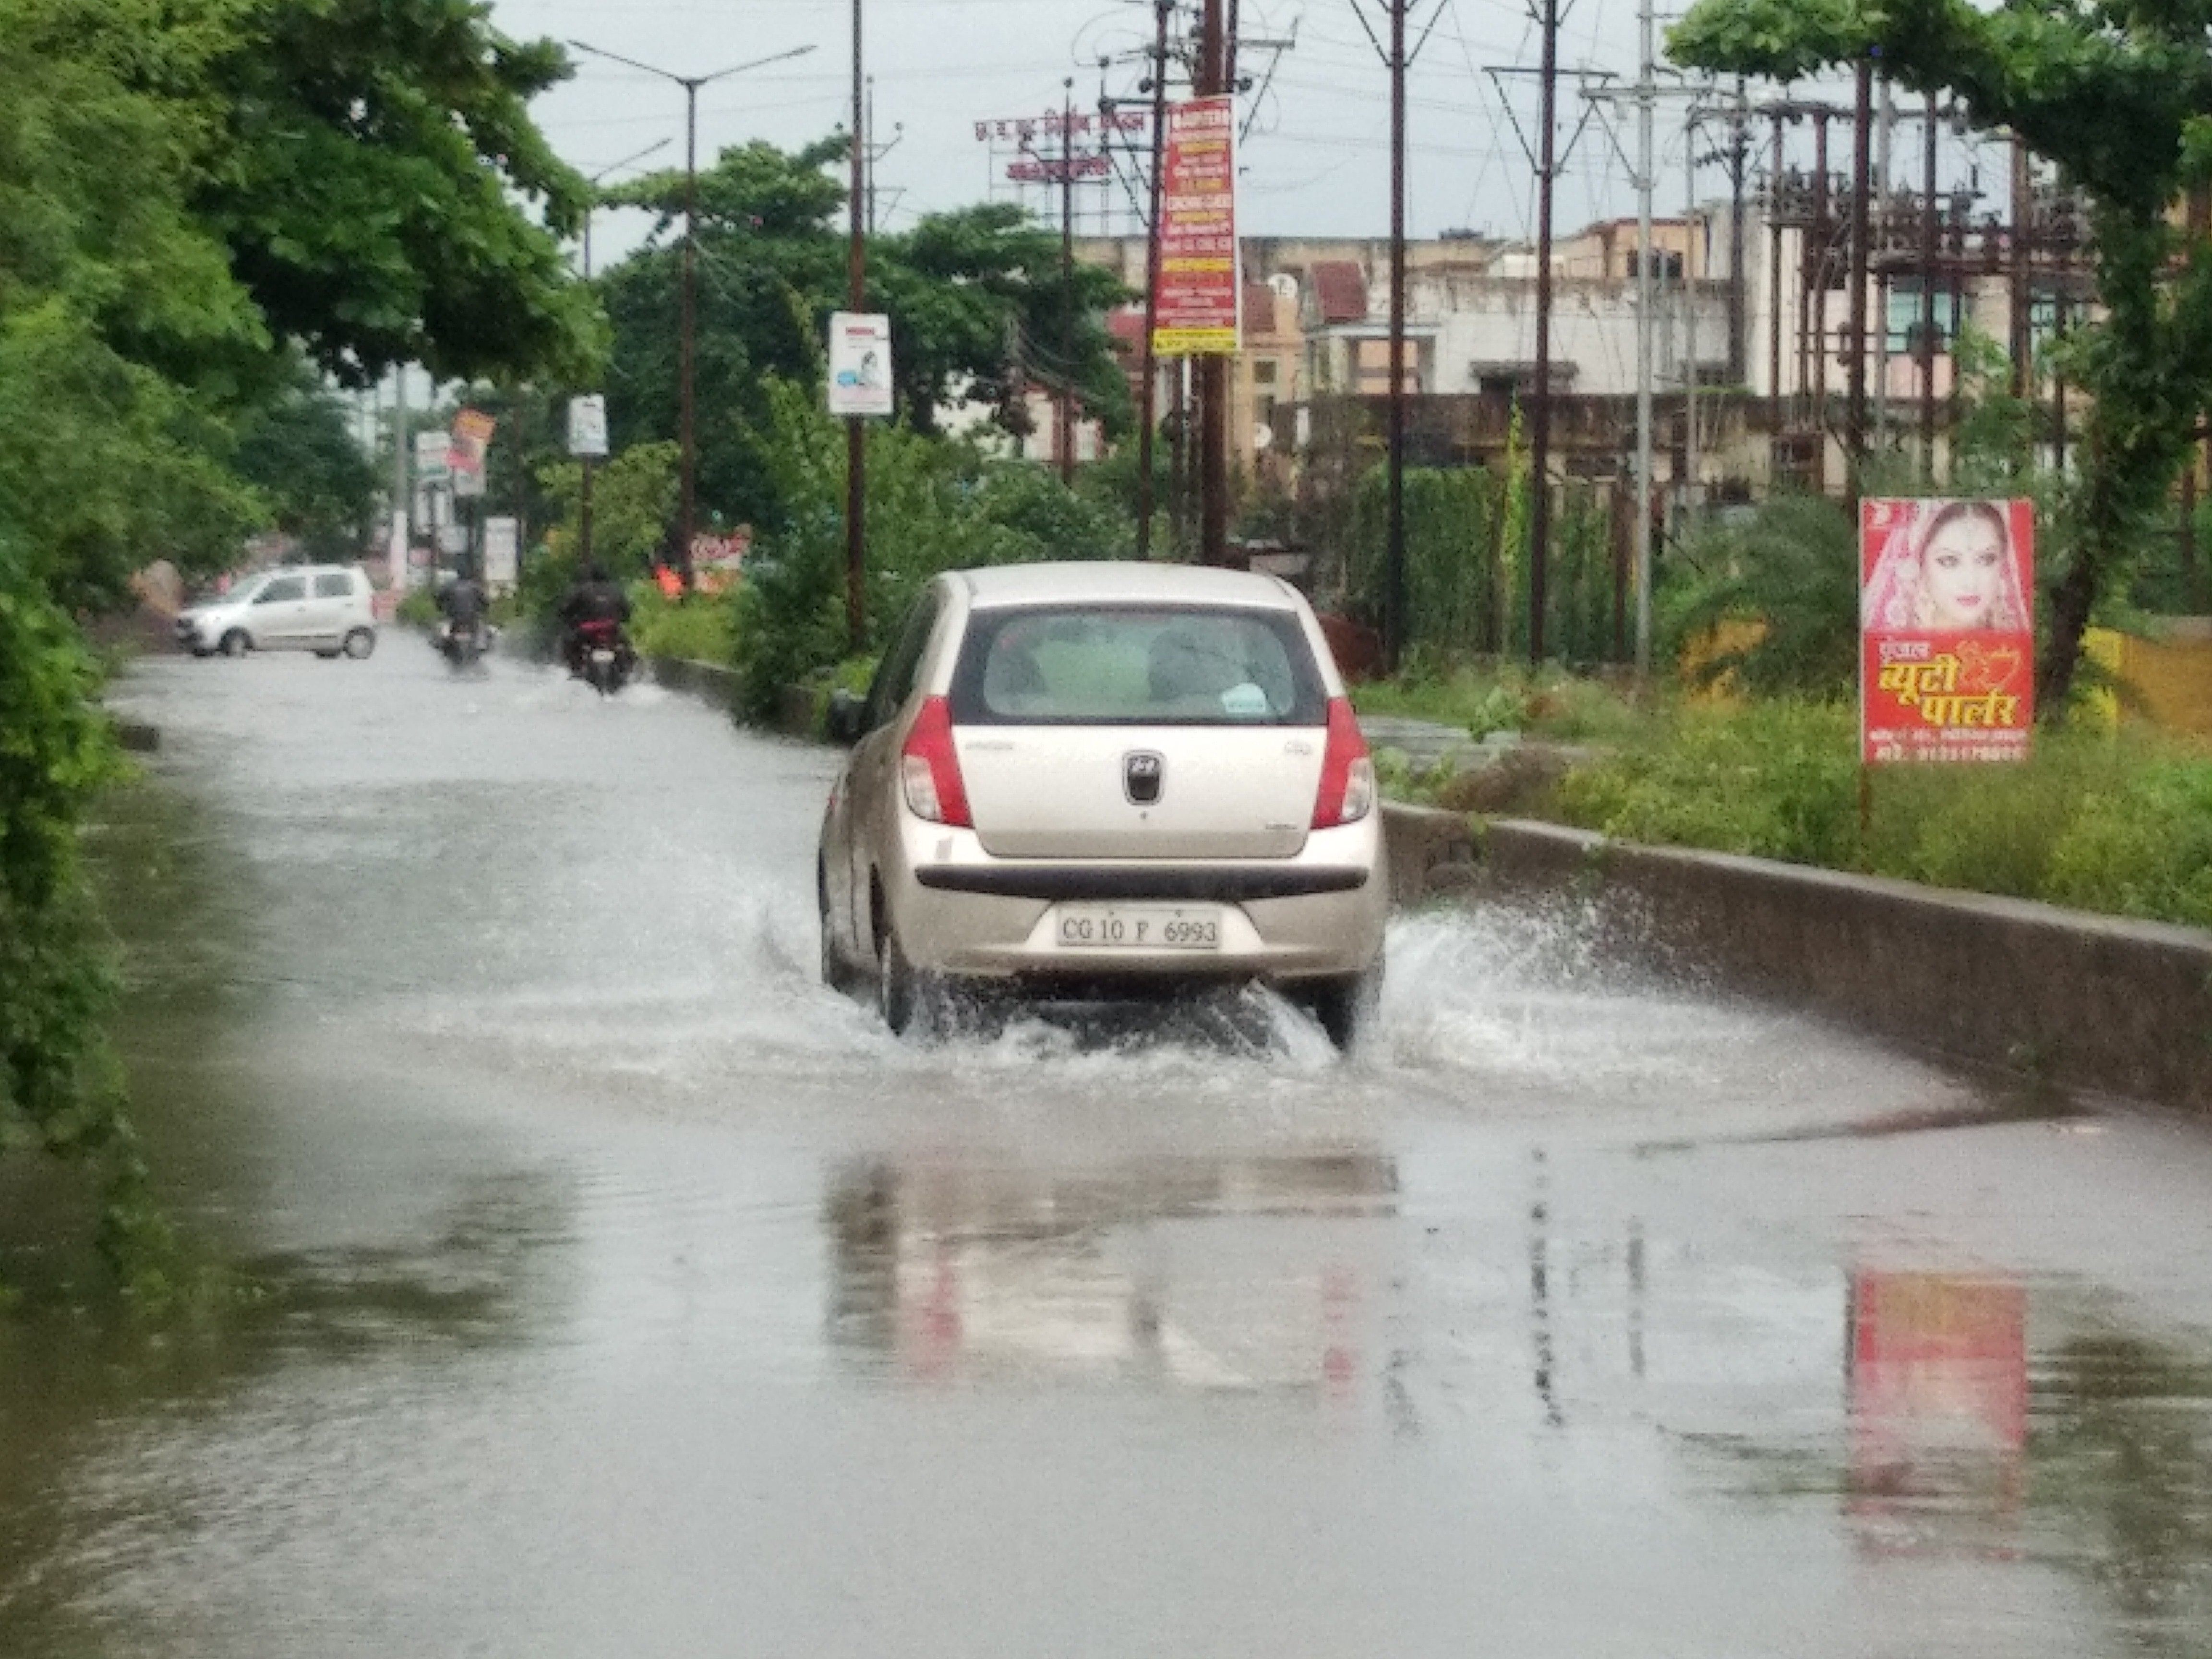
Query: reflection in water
(2121, 1480)
(949, 1271)
(72, 1514)
(1938, 1403)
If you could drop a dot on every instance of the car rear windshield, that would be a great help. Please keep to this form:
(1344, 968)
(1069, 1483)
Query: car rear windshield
(1136, 665)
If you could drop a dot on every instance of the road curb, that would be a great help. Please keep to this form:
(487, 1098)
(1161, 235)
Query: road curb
(2084, 1001)
(2087, 1002)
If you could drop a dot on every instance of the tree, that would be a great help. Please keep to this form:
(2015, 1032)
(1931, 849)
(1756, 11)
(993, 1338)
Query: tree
(299, 450)
(2119, 96)
(194, 195)
(383, 194)
(972, 296)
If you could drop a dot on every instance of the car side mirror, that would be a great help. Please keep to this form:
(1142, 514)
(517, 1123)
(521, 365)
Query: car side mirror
(847, 718)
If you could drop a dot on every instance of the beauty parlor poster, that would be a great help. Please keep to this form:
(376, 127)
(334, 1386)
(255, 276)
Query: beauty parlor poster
(1947, 630)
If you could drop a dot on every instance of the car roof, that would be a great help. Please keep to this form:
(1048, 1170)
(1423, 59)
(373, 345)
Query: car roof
(1122, 581)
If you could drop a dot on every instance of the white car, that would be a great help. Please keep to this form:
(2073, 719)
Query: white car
(1104, 780)
(327, 609)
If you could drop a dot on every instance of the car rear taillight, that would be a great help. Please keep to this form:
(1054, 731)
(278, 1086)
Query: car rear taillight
(1347, 775)
(929, 768)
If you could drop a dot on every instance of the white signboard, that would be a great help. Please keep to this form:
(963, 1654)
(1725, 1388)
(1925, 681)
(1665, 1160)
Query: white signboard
(587, 426)
(453, 539)
(430, 451)
(468, 481)
(501, 549)
(859, 363)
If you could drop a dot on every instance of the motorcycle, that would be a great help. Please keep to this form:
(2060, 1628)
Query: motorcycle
(463, 645)
(601, 655)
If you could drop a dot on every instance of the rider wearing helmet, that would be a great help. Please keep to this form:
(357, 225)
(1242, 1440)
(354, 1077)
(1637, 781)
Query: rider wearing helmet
(592, 612)
(463, 604)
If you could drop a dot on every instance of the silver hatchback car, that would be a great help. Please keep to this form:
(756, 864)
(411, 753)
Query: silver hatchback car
(1105, 781)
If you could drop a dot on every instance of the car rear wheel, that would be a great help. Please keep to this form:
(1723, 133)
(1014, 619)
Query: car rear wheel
(234, 643)
(835, 973)
(911, 1000)
(1347, 1007)
(359, 643)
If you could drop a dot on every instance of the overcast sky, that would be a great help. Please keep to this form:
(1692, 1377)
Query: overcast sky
(1316, 161)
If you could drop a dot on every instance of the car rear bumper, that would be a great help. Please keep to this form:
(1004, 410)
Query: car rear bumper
(1321, 913)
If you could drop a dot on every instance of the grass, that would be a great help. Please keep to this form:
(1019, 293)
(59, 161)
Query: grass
(1538, 703)
(2113, 818)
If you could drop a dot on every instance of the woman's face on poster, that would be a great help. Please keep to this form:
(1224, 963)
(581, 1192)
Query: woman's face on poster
(1962, 567)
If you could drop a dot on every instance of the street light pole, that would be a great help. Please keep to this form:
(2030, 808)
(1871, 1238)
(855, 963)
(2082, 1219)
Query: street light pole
(584, 492)
(856, 300)
(687, 438)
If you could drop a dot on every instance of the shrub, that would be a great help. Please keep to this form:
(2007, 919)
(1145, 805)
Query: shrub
(1776, 779)
(698, 628)
(1770, 605)
(933, 505)
(2143, 848)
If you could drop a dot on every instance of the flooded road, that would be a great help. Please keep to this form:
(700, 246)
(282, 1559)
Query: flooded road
(621, 1289)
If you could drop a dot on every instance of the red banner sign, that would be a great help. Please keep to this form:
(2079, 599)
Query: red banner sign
(1946, 639)
(1196, 304)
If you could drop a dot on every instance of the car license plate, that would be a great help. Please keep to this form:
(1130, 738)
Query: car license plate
(602, 654)
(1131, 927)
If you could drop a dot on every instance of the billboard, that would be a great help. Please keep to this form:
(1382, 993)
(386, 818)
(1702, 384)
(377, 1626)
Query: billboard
(1947, 630)
(587, 426)
(501, 550)
(1195, 304)
(859, 363)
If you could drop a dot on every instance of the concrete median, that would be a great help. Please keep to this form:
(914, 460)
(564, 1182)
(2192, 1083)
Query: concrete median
(2083, 1001)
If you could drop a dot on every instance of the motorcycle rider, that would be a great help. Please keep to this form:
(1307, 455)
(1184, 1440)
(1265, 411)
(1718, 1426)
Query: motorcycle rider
(462, 602)
(593, 606)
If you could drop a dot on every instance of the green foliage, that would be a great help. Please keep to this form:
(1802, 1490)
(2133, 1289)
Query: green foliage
(697, 628)
(932, 505)
(2141, 844)
(1778, 779)
(1771, 605)
(2121, 99)
(299, 451)
(1467, 574)
(1505, 697)
(976, 297)
(384, 194)
(193, 195)
(59, 1081)
(2120, 824)
(634, 499)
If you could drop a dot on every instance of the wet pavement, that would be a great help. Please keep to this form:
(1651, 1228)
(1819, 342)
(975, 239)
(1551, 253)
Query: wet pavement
(621, 1289)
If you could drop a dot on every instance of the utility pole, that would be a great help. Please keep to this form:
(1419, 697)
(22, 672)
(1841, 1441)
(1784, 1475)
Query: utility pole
(2019, 287)
(1692, 264)
(1646, 168)
(877, 152)
(396, 577)
(1064, 436)
(1162, 9)
(1927, 348)
(856, 297)
(1213, 368)
(1739, 355)
(1774, 186)
(688, 294)
(589, 464)
(1393, 618)
(1398, 61)
(1884, 138)
(1855, 404)
(1540, 448)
